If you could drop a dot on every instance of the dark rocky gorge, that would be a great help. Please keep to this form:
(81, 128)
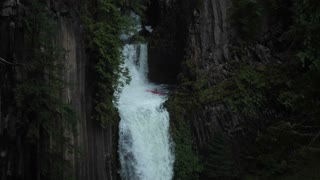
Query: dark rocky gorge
(245, 99)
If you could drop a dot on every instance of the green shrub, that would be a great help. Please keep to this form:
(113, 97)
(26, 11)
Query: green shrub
(103, 30)
(187, 164)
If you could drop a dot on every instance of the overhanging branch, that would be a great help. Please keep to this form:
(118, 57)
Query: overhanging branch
(3, 61)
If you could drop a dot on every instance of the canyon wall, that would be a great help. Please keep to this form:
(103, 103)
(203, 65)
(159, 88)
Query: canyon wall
(200, 48)
(236, 62)
(199, 32)
(199, 38)
(95, 156)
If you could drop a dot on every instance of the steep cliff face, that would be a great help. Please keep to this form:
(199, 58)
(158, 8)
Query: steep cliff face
(210, 46)
(208, 53)
(239, 60)
(96, 146)
(209, 42)
(201, 32)
(166, 47)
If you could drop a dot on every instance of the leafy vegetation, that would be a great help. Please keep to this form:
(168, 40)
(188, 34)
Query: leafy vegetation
(103, 30)
(181, 106)
(288, 89)
(187, 164)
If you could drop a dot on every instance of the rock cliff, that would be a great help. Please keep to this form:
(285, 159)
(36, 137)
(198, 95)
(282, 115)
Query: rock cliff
(200, 32)
(202, 45)
(97, 146)
(233, 76)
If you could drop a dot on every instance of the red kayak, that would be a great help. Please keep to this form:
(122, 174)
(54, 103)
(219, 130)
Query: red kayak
(156, 92)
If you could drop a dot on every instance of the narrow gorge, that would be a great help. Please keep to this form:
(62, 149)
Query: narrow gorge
(145, 147)
(159, 89)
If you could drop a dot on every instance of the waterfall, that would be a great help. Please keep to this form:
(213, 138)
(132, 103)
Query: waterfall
(144, 143)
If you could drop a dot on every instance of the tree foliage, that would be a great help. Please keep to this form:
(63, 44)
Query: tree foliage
(181, 106)
(187, 164)
(103, 30)
(288, 89)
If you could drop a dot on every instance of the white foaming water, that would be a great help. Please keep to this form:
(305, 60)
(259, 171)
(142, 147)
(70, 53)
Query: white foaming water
(144, 142)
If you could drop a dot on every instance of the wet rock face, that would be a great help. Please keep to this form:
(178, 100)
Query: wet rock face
(166, 47)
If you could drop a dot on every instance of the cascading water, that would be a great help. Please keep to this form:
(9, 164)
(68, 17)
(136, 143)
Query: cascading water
(144, 143)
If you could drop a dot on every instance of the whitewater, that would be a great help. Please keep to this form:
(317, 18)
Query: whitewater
(145, 150)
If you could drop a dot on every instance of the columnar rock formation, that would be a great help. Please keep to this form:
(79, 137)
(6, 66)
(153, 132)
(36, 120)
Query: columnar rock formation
(97, 159)
(199, 31)
(191, 39)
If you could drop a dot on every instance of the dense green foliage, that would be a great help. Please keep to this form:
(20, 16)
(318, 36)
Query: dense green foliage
(103, 29)
(45, 117)
(187, 164)
(181, 105)
(289, 88)
(251, 89)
